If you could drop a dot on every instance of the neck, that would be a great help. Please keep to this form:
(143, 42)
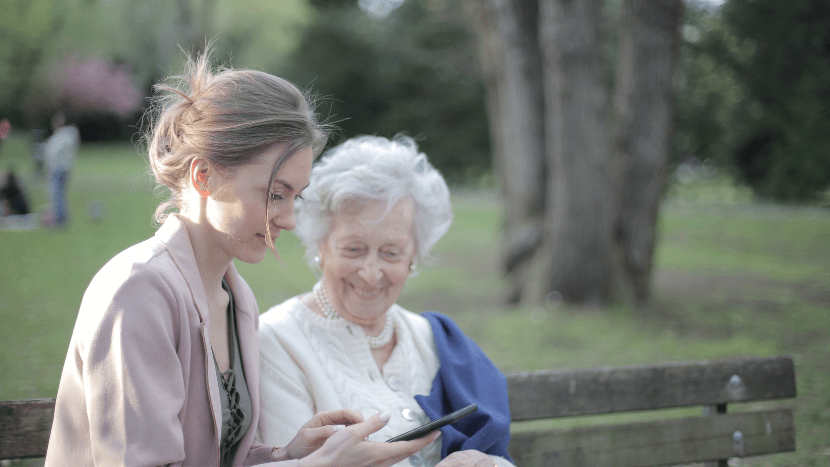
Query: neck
(211, 260)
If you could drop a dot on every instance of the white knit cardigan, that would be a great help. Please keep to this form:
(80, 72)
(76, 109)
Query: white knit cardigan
(312, 364)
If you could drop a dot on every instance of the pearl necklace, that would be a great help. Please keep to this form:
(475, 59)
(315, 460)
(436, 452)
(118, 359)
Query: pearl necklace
(375, 342)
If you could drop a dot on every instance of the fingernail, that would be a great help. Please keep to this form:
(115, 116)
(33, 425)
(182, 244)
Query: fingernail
(437, 435)
(385, 416)
(337, 428)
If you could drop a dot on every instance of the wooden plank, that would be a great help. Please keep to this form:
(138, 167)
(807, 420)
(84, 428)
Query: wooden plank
(666, 442)
(25, 427)
(565, 393)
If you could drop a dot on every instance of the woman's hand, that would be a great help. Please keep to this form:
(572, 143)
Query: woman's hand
(315, 432)
(348, 447)
(470, 458)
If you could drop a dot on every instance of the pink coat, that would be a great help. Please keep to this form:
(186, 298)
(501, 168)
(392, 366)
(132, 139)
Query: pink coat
(139, 386)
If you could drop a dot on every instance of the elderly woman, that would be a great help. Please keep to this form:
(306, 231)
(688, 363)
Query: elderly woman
(373, 210)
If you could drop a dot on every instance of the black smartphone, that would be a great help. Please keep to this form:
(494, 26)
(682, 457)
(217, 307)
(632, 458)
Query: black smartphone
(427, 428)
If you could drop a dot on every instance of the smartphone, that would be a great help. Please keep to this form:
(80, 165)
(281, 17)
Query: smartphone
(427, 428)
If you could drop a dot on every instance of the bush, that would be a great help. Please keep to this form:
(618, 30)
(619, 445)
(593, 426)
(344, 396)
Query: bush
(414, 71)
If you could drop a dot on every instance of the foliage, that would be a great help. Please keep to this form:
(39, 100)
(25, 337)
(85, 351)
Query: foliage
(706, 92)
(755, 94)
(414, 71)
(753, 87)
(24, 32)
(140, 38)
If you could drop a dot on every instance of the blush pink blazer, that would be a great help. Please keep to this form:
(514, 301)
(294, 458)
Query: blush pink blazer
(139, 386)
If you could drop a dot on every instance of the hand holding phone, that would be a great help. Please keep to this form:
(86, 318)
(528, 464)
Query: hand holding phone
(427, 428)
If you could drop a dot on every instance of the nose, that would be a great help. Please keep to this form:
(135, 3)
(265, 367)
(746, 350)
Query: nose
(370, 270)
(284, 218)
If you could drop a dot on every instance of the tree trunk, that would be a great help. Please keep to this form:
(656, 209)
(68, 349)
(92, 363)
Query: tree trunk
(511, 66)
(576, 257)
(581, 196)
(644, 105)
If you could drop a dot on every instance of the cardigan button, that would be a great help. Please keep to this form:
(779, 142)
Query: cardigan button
(408, 414)
(395, 383)
(416, 461)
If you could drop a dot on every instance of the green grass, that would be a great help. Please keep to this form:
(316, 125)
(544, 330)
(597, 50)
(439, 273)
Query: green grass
(731, 279)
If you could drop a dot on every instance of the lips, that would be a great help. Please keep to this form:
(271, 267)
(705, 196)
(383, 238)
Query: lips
(273, 237)
(368, 294)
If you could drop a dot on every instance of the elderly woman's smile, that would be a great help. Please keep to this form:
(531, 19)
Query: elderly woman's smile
(368, 294)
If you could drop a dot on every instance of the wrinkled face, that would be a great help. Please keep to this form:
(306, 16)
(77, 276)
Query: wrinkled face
(236, 210)
(366, 258)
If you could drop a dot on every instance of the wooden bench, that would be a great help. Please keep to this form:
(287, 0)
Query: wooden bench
(714, 436)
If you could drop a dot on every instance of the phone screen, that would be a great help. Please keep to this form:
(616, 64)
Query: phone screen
(427, 428)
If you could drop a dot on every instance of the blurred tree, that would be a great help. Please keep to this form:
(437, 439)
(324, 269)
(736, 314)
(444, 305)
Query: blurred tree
(707, 91)
(575, 258)
(512, 73)
(602, 182)
(756, 94)
(787, 74)
(413, 71)
(142, 38)
(24, 33)
(98, 95)
(641, 135)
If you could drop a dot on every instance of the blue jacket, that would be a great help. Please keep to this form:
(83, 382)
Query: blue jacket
(466, 376)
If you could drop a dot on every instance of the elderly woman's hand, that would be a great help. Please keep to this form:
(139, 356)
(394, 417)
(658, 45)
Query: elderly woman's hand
(315, 432)
(469, 458)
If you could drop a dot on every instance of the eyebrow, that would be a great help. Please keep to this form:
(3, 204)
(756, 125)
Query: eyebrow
(390, 241)
(288, 185)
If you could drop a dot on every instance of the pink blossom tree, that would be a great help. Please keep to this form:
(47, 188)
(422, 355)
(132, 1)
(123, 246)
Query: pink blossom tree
(90, 85)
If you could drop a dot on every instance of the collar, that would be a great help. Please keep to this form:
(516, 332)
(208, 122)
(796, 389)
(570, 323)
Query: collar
(175, 239)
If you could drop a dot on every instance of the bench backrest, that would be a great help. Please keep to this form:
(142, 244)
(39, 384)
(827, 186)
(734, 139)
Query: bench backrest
(25, 427)
(711, 384)
(25, 424)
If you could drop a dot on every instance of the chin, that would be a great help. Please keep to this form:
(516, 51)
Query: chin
(252, 257)
(374, 308)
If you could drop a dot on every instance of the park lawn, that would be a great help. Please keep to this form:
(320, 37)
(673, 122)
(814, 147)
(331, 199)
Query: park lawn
(730, 280)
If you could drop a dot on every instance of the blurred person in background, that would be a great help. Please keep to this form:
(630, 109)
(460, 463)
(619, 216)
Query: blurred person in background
(60, 151)
(12, 198)
(37, 138)
(5, 131)
(163, 363)
(373, 210)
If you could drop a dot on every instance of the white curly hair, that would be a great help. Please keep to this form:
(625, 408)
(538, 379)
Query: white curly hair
(374, 168)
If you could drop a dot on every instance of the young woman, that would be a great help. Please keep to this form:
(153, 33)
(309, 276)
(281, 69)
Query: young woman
(162, 367)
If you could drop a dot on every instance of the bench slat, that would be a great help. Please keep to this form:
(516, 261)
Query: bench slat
(25, 427)
(566, 393)
(666, 442)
